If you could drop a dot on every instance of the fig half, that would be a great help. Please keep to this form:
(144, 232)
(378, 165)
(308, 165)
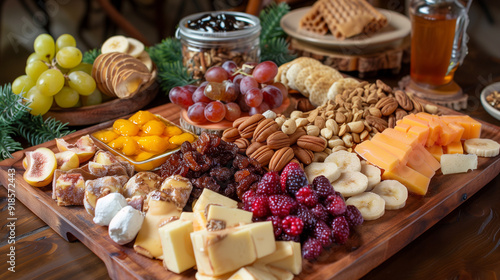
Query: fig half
(40, 166)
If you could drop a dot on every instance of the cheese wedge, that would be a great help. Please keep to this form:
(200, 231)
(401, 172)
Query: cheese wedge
(413, 181)
(178, 255)
(376, 155)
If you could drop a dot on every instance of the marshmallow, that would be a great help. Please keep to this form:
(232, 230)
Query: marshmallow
(125, 225)
(107, 207)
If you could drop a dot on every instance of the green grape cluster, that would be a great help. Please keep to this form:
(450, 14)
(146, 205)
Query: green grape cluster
(55, 73)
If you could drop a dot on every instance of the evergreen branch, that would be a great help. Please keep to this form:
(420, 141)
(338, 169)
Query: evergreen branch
(12, 107)
(270, 21)
(168, 50)
(7, 143)
(90, 55)
(37, 131)
(173, 74)
(276, 50)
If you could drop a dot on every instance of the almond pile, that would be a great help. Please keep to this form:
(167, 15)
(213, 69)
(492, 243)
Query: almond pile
(262, 138)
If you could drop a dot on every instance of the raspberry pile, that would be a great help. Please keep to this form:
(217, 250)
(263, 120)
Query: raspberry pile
(313, 214)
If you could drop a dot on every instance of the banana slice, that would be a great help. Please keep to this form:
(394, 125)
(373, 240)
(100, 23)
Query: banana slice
(350, 183)
(393, 192)
(371, 205)
(146, 59)
(327, 169)
(346, 161)
(116, 43)
(482, 147)
(373, 174)
(135, 47)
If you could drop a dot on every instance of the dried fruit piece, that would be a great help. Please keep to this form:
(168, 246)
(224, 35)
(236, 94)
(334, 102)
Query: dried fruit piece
(40, 166)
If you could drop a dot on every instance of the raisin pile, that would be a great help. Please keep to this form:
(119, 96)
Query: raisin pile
(212, 163)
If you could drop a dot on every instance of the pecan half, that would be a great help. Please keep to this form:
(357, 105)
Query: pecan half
(242, 144)
(263, 155)
(264, 129)
(280, 159)
(404, 100)
(303, 155)
(387, 105)
(278, 140)
(248, 126)
(378, 123)
(230, 134)
(313, 143)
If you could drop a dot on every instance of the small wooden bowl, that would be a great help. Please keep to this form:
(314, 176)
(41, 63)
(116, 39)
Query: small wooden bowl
(113, 109)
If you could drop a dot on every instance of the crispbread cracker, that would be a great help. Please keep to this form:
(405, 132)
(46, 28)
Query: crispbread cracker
(280, 71)
(285, 68)
(339, 86)
(301, 79)
(297, 65)
(319, 90)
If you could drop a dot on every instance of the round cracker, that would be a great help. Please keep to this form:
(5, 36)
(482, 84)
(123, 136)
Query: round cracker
(319, 90)
(299, 64)
(339, 86)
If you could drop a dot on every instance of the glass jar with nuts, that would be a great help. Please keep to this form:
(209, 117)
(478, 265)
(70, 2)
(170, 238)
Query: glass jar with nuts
(209, 39)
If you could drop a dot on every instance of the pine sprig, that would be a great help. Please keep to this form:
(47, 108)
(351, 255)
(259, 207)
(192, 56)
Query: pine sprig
(7, 143)
(90, 56)
(273, 44)
(37, 130)
(11, 106)
(270, 21)
(173, 74)
(276, 50)
(169, 49)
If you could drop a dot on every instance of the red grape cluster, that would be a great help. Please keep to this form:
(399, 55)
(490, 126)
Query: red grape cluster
(228, 91)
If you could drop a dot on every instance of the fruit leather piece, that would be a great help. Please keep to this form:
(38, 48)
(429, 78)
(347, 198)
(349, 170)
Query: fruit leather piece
(413, 180)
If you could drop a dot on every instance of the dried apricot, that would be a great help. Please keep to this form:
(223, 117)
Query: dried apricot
(130, 147)
(179, 139)
(172, 130)
(126, 127)
(154, 144)
(106, 136)
(117, 143)
(153, 127)
(144, 156)
(142, 117)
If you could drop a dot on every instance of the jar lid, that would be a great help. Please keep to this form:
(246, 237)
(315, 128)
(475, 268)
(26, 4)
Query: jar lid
(252, 28)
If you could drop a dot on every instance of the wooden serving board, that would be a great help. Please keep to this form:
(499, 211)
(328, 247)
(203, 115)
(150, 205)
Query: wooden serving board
(369, 245)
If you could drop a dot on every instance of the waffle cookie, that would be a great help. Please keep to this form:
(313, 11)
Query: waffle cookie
(344, 18)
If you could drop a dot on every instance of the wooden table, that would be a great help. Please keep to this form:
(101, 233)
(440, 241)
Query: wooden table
(464, 245)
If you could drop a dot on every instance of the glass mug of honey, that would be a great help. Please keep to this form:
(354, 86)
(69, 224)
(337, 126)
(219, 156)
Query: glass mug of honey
(438, 42)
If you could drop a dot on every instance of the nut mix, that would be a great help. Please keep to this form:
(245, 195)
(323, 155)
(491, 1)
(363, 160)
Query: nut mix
(494, 99)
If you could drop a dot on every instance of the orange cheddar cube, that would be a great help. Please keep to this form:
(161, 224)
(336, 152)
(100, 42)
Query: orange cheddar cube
(413, 120)
(420, 132)
(428, 157)
(454, 148)
(410, 140)
(458, 131)
(376, 155)
(413, 181)
(475, 128)
(436, 151)
(403, 127)
(417, 162)
(395, 147)
(434, 127)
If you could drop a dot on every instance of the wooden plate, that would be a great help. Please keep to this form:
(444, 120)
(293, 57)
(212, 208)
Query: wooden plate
(368, 246)
(106, 111)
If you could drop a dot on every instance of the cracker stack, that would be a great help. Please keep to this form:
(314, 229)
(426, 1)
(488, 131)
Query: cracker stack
(343, 18)
(313, 79)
